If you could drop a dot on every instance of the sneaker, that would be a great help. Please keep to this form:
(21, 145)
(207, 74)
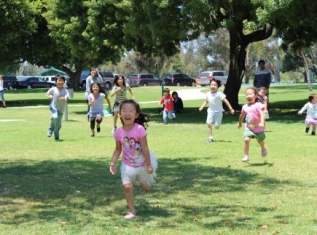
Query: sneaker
(114, 129)
(92, 135)
(210, 140)
(57, 139)
(49, 134)
(307, 129)
(313, 133)
(264, 152)
(130, 215)
(245, 159)
(98, 128)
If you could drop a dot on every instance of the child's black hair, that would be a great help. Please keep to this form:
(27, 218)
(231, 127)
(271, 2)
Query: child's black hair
(258, 98)
(101, 89)
(216, 81)
(174, 93)
(59, 76)
(311, 97)
(142, 118)
(116, 78)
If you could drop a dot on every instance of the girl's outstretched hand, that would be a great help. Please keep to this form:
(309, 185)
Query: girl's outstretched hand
(113, 169)
(149, 169)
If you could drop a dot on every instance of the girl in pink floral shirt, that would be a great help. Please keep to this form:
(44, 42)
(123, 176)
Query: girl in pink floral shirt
(138, 163)
(253, 112)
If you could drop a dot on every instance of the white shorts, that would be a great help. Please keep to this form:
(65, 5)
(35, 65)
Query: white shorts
(214, 118)
(131, 174)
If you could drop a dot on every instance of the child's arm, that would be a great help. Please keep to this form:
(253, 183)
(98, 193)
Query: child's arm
(146, 154)
(115, 156)
(228, 105)
(115, 90)
(241, 117)
(130, 90)
(203, 105)
(108, 101)
(265, 104)
(303, 109)
(161, 101)
(49, 96)
(66, 97)
(262, 123)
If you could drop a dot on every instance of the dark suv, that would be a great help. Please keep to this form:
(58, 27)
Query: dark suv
(107, 78)
(178, 79)
(8, 80)
(145, 79)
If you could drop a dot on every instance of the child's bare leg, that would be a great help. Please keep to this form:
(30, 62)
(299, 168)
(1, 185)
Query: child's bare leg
(262, 144)
(128, 191)
(313, 132)
(246, 149)
(209, 129)
(146, 187)
(115, 118)
(246, 145)
(263, 148)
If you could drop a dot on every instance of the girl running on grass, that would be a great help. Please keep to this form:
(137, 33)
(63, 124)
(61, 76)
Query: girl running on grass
(311, 116)
(255, 122)
(137, 161)
(119, 90)
(95, 103)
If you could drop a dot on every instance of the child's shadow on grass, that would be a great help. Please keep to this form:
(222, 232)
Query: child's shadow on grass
(261, 164)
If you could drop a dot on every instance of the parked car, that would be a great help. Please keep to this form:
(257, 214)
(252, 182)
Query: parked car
(178, 79)
(32, 82)
(205, 77)
(8, 80)
(145, 79)
(107, 78)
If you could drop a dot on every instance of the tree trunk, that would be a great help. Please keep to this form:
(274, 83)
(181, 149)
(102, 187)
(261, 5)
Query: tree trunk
(74, 76)
(302, 55)
(238, 44)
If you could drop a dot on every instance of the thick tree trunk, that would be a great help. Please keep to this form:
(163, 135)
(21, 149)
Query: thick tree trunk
(238, 44)
(236, 67)
(74, 76)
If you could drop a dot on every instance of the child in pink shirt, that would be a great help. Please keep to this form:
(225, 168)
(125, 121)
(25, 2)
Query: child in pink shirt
(138, 163)
(253, 112)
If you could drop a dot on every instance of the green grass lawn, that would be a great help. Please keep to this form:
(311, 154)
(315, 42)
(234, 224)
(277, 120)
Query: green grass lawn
(65, 187)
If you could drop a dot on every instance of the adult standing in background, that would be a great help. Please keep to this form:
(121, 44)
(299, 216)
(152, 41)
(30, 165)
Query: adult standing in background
(94, 77)
(2, 92)
(262, 77)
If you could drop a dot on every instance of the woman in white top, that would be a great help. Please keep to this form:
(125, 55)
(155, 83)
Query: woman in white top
(2, 92)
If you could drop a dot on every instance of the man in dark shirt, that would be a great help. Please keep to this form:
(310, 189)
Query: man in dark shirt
(262, 77)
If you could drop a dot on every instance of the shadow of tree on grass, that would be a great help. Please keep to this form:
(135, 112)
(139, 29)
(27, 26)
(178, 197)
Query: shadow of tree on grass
(62, 189)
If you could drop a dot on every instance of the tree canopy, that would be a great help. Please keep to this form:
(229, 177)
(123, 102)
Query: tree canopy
(17, 23)
(76, 34)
